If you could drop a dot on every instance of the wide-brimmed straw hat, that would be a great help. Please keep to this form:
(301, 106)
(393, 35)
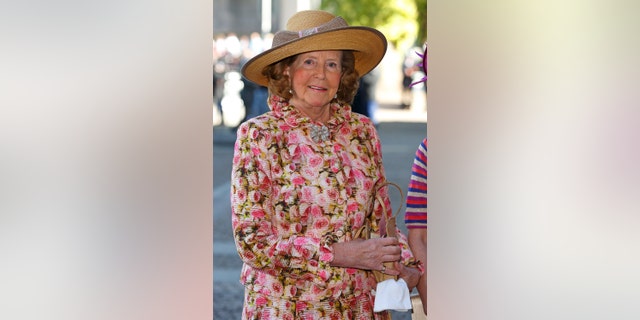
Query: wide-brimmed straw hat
(314, 30)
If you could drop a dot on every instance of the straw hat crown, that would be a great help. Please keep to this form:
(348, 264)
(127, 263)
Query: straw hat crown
(308, 19)
(315, 30)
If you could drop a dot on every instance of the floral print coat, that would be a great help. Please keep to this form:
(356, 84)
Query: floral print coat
(292, 198)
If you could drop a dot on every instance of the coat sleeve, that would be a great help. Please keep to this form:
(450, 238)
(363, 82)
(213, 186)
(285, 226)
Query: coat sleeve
(258, 243)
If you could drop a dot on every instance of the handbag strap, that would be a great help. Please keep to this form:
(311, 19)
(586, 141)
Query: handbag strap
(386, 224)
(389, 224)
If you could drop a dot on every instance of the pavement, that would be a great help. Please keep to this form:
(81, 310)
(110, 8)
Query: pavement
(400, 130)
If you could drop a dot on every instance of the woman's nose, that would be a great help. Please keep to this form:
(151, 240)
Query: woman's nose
(321, 72)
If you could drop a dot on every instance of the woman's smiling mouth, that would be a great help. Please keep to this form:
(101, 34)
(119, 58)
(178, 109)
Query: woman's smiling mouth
(317, 88)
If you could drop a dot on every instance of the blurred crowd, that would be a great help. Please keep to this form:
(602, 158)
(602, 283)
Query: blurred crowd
(412, 72)
(230, 52)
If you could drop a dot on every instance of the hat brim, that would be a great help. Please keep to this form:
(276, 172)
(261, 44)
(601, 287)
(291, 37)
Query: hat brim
(368, 45)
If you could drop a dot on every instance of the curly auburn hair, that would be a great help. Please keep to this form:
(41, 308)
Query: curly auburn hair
(349, 82)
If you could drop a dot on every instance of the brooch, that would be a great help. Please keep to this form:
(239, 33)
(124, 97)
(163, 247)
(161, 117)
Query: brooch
(319, 133)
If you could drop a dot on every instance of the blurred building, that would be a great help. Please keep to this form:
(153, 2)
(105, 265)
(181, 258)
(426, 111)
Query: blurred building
(263, 16)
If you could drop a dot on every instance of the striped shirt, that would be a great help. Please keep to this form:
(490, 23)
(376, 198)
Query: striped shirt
(416, 214)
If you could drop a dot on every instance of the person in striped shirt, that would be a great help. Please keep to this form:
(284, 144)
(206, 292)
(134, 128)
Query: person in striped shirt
(416, 215)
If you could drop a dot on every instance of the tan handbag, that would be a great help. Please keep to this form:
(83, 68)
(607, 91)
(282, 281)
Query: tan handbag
(389, 225)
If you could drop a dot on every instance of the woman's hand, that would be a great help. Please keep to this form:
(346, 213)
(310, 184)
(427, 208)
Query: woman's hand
(410, 275)
(370, 254)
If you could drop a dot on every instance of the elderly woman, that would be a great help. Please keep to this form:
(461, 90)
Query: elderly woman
(306, 176)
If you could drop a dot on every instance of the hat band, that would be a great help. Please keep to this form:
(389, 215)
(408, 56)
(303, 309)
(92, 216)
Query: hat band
(307, 32)
(285, 36)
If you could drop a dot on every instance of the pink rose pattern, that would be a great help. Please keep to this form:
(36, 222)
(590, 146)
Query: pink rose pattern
(291, 199)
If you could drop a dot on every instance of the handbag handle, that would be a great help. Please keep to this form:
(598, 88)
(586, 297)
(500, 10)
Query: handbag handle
(389, 224)
(386, 224)
(365, 231)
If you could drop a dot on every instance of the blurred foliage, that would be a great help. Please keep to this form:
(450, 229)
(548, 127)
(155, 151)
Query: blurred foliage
(422, 22)
(403, 22)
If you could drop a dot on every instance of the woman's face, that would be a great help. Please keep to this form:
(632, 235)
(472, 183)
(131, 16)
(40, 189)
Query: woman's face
(315, 78)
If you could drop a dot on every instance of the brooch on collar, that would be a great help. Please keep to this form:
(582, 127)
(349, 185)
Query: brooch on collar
(319, 133)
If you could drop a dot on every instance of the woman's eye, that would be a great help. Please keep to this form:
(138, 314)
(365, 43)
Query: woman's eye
(333, 66)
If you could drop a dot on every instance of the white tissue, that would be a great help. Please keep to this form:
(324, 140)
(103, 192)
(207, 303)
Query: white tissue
(392, 295)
